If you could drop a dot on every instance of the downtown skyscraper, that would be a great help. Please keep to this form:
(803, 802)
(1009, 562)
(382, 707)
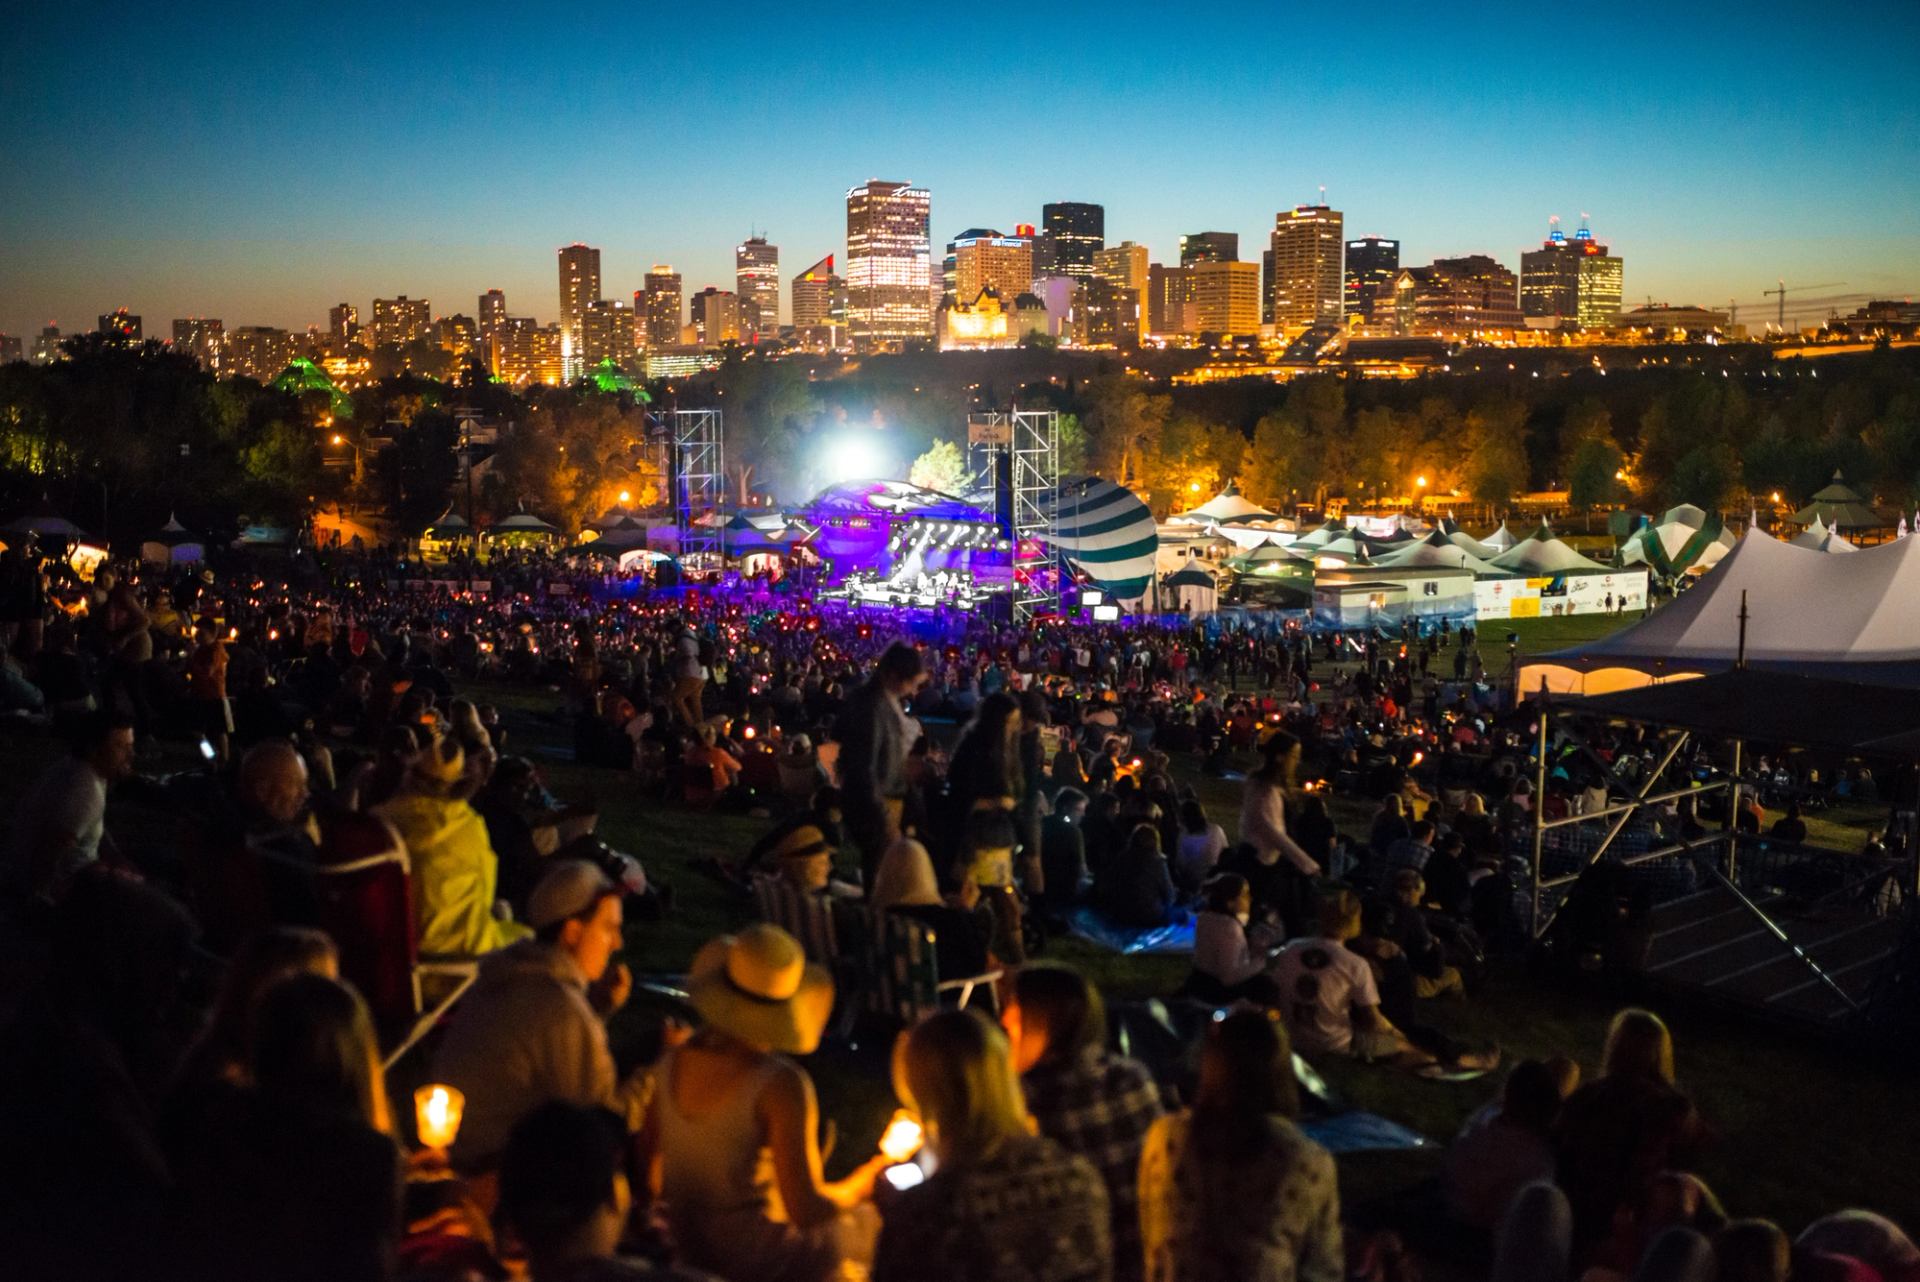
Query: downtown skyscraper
(579, 286)
(1076, 231)
(1306, 284)
(756, 278)
(658, 306)
(889, 264)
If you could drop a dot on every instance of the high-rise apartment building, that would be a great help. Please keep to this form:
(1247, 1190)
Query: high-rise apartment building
(459, 336)
(819, 307)
(46, 345)
(1305, 287)
(120, 323)
(1170, 300)
(1372, 262)
(1078, 231)
(259, 352)
(1571, 283)
(529, 353)
(579, 286)
(11, 349)
(1210, 247)
(889, 263)
(609, 331)
(988, 260)
(661, 308)
(1106, 314)
(1226, 298)
(204, 339)
(492, 319)
(402, 320)
(756, 278)
(343, 322)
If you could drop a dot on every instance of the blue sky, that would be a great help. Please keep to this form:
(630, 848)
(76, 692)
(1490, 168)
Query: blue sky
(258, 165)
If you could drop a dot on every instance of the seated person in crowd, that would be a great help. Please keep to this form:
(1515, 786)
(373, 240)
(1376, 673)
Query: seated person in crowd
(1135, 888)
(1063, 853)
(1394, 925)
(59, 825)
(533, 1027)
(1790, 827)
(455, 872)
(565, 1196)
(963, 927)
(1201, 843)
(1226, 964)
(1082, 1097)
(1508, 1144)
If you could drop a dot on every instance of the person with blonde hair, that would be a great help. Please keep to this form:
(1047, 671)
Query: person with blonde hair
(1003, 1202)
(1232, 1188)
(1620, 1131)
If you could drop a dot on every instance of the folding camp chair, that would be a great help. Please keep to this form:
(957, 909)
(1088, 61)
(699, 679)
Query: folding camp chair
(808, 918)
(364, 889)
(906, 984)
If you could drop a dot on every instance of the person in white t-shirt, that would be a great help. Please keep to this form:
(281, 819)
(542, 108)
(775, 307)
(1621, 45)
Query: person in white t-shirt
(1327, 992)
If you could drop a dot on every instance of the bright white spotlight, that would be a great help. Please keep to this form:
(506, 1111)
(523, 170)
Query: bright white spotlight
(855, 457)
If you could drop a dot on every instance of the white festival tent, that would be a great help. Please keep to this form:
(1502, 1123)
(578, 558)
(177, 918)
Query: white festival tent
(1437, 551)
(1227, 505)
(1192, 589)
(1818, 537)
(1541, 554)
(1852, 617)
(1501, 540)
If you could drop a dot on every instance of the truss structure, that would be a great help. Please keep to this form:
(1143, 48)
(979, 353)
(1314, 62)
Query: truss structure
(699, 484)
(1035, 442)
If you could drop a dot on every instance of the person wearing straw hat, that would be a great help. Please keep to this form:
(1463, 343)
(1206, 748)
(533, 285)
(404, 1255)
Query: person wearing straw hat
(729, 1107)
(455, 872)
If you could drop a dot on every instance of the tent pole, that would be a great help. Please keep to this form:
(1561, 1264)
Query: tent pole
(1539, 809)
(1732, 825)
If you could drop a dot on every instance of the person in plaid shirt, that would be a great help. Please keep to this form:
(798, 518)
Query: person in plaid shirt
(1088, 1101)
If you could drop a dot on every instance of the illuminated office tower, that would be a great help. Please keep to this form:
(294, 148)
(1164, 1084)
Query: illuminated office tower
(204, 339)
(1210, 247)
(120, 323)
(1455, 297)
(756, 278)
(1571, 283)
(719, 316)
(1125, 266)
(579, 285)
(343, 322)
(988, 260)
(662, 309)
(1078, 231)
(493, 319)
(1371, 265)
(819, 306)
(1226, 298)
(1170, 300)
(1305, 286)
(889, 264)
(402, 320)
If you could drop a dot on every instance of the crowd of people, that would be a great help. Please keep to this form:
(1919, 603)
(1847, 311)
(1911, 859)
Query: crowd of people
(200, 1013)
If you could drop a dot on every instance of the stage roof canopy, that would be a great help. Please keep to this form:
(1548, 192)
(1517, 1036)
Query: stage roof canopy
(1775, 708)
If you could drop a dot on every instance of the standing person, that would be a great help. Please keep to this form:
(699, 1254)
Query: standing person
(1083, 1098)
(1063, 853)
(1279, 870)
(731, 1135)
(1003, 1203)
(875, 736)
(689, 680)
(207, 686)
(1232, 1188)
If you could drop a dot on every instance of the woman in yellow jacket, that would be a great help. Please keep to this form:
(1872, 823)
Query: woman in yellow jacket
(455, 872)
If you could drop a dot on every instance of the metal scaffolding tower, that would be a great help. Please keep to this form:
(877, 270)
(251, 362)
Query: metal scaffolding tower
(699, 485)
(1017, 455)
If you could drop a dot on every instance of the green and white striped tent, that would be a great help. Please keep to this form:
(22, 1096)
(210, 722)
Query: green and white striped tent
(1108, 534)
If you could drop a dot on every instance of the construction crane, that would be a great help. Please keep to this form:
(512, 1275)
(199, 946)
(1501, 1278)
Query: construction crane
(1783, 291)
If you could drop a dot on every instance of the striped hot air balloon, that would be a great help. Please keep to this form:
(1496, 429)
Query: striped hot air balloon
(1108, 534)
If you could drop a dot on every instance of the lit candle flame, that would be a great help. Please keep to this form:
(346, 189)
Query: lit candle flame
(902, 1138)
(437, 1111)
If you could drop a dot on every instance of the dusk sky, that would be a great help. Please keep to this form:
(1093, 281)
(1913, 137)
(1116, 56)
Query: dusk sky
(225, 161)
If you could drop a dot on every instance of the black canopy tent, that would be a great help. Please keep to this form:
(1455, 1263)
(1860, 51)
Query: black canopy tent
(1759, 705)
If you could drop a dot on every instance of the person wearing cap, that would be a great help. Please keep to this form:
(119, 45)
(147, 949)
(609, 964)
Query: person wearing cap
(455, 872)
(729, 1107)
(529, 1032)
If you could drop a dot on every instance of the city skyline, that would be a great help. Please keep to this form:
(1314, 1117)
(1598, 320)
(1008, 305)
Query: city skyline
(228, 192)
